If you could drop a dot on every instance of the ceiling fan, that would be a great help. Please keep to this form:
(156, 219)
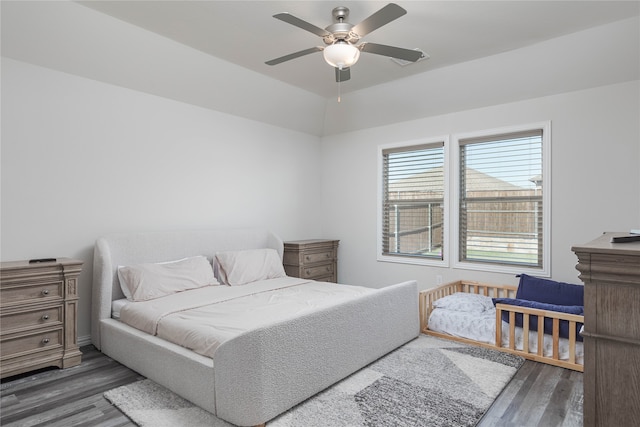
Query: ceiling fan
(341, 38)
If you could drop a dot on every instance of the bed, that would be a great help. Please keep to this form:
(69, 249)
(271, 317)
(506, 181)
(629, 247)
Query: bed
(469, 315)
(263, 370)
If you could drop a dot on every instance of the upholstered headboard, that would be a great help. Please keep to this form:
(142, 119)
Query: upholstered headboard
(135, 248)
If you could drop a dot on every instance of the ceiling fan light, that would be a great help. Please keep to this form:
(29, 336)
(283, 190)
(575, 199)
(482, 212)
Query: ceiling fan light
(341, 54)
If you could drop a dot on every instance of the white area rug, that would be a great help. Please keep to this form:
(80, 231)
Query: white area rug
(427, 382)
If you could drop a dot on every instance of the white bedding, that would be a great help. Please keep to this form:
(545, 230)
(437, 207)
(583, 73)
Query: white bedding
(202, 319)
(482, 327)
(116, 306)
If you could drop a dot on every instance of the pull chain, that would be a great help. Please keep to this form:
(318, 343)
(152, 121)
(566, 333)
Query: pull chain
(339, 79)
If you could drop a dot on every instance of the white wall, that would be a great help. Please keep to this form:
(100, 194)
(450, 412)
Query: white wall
(82, 158)
(595, 149)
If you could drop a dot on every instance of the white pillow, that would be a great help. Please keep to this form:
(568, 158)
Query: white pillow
(242, 267)
(463, 301)
(143, 282)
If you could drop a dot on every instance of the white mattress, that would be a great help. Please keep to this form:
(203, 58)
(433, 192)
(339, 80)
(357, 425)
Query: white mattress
(482, 327)
(202, 319)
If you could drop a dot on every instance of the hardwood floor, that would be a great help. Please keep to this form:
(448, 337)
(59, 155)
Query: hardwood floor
(66, 397)
(538, 395)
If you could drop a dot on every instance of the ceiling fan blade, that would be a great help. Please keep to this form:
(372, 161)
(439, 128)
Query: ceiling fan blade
(391, 51)
(343, 75)
(294, 55)
(290, 19)
(382, 17)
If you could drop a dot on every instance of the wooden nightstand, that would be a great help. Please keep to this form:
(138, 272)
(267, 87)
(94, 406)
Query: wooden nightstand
(38, 310)
(315, 259)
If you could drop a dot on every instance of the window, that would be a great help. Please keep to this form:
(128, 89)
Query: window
(502, 201)
(499, 211)
(413, 203)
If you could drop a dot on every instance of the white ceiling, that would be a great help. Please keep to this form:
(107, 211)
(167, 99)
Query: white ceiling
(450, 32)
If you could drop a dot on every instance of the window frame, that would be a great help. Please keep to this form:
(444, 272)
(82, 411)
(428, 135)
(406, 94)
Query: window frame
(545, 269)
(406, 259)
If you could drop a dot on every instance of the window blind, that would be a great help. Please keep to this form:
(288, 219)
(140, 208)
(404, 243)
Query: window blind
(500, 206)
(413, 201)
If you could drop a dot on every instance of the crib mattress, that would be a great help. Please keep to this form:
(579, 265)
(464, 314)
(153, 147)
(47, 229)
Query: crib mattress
(482, 327)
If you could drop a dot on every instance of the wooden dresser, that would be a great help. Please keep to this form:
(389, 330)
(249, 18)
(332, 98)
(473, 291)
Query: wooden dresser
(611, 275)
(312, 259)
(38, 315)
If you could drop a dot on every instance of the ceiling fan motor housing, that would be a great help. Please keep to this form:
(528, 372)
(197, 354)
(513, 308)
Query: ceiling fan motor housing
(340, 29)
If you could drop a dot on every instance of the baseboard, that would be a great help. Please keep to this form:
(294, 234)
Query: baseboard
(85, 340)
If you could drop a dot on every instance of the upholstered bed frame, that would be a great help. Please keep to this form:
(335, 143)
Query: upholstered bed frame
(263, 372)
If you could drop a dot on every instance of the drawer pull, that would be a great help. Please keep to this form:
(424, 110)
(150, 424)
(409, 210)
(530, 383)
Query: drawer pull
(45, 341)
(308, 258)
(45, 317)
(328, 255)
(45, 292)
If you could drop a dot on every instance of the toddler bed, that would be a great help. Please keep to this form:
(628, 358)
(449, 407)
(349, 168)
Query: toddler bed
(262, 342)
(485, 314)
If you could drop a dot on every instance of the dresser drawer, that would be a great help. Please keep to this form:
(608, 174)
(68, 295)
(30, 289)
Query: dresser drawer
(317, 271)
(330, 278)
(26, 343)
(30, 293)
(29, 318)
(312, 258)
